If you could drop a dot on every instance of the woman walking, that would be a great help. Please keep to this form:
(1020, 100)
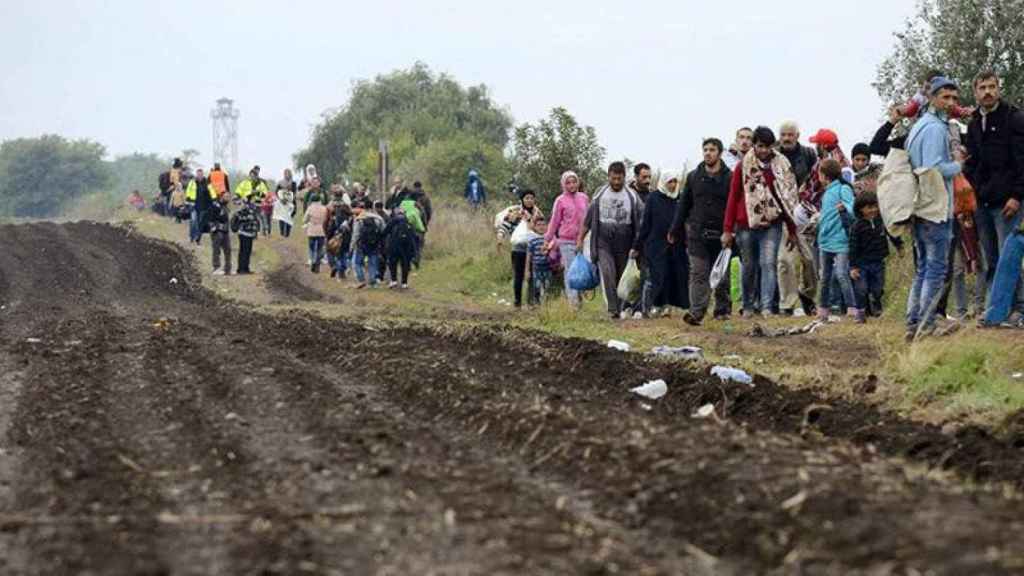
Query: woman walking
(567, 217)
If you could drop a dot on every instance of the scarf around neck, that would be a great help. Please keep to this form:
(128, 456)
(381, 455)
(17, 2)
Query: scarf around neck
(763, 206)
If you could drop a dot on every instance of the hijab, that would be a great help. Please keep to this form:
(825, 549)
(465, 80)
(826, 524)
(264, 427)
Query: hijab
(565, 178)
(667, 176)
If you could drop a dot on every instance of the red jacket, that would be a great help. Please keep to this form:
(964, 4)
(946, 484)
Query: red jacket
(736, 207)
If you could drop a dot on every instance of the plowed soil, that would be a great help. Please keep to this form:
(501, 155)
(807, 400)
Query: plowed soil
(149, 427)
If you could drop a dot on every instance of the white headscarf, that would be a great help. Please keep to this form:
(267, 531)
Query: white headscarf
(666, 176)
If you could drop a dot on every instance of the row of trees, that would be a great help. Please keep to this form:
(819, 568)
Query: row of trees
(437, 130)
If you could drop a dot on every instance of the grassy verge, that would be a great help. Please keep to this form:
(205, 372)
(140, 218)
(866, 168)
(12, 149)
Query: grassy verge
(466, 278)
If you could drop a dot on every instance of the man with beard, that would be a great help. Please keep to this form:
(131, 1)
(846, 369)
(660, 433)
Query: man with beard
(612, 220)
(995, 169)
(797, 273)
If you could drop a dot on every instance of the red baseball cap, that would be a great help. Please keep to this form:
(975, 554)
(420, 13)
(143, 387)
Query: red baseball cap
(825, 137)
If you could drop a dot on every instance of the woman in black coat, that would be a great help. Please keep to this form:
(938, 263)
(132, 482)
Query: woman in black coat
(666, 264)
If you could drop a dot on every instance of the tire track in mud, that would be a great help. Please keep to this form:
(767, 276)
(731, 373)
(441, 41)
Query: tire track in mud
(84, 507)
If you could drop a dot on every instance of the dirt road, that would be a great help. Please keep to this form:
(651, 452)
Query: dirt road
(150, 428)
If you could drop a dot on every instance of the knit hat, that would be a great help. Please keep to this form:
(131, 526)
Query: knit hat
(861, 149)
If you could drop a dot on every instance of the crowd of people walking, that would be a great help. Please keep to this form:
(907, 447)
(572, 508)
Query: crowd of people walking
(377, 241)
(812, 228)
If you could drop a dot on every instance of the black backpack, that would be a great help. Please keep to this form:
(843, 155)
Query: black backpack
(369, 235)
(165, 181)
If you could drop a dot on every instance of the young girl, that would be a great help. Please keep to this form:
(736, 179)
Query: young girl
(834, 238)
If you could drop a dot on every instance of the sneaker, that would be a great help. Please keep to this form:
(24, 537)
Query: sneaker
(405, 286)
(624, 315)
(691, 319)
(218, 272)
(823, 314)
(638, 315)
(723, 317)
(747, 314)
(860, 317)
(392, 285)
(799, 313)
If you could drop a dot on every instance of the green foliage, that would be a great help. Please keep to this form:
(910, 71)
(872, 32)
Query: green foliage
(442, 166)
(39, 176)
(973, 375)
(137, 172)
(960, 38)
(542, 152)
(411, 109)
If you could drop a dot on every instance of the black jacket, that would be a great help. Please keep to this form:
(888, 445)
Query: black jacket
(802, 159)
(203, 200)
(701, 209)
(217, 217)
(869, 242)
(995, 167)
(881, 144)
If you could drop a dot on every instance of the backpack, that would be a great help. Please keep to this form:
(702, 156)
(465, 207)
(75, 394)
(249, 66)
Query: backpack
(369, 235)
(164, 181)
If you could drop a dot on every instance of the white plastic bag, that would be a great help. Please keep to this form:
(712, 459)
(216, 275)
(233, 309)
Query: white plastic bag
(721, 267)
(521, 235)
(654, 389)
(630, 285)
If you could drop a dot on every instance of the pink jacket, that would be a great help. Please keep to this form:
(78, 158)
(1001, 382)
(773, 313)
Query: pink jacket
(567, 217)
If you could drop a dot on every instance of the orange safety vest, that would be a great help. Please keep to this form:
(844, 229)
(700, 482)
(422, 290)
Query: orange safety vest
(219, 180)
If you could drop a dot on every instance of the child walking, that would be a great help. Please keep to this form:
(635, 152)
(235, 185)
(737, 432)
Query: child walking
(834, 239)
(220, 235)
(537, 261)
(869, 247)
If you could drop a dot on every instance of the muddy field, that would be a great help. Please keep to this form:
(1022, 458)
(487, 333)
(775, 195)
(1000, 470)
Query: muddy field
(149, 427)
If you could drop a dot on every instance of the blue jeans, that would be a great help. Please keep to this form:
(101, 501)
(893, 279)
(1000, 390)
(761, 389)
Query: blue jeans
(1002, 297)
(316, 244)
(368, 272)
(931, 251)
(193, 225)
(993, 230)
(869, 288)
(835, 269)
(759, 253)
(338, 263)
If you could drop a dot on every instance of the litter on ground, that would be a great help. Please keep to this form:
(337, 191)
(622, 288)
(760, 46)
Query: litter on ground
(726, 373)
(683, 352)
(654, 389)
(619, 345)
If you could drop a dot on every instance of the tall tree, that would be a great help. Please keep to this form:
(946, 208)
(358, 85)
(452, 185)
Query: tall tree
(960, 38)
(412, 109)
(543, 151)
(39, 176)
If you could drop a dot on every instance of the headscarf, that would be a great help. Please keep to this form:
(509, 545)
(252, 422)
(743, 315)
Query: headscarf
(565, 177)
(668, 175)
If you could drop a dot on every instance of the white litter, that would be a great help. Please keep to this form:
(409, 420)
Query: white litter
(33, 340)
(654, 389)
(726, 373)
(174, 280)
(684, 352)
(646, 406)
(704, 411)
(1018, 375)
(619, 345)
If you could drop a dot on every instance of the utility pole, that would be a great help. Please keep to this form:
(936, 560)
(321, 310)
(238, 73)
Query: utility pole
(382, 169)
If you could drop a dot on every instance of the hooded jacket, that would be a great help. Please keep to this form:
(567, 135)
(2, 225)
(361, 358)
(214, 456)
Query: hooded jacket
(567, 214)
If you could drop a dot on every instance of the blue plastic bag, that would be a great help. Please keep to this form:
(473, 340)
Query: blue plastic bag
(583, 275)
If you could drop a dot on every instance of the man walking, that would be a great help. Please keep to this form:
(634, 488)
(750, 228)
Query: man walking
(612, 220)
(699, 218)
(798, 279)
(928, 146)
(995, 168)
(201, 194)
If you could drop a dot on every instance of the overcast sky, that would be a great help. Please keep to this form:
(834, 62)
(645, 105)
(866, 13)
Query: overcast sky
(652, 77)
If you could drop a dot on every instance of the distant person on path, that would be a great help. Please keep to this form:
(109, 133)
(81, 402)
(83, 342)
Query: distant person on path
(202, 196)
(220, 234)
(744, 141)
(284, 206)
(612, 220)
(252, 189)
(537, 261)
(401, 244)
(219, 179)
(699, 222)
(339, 230)
(367, 236)
(314, 222)
(421, 198)
(136, 201)
(475, 193)
(567, 215)
(995, 169)
(929, 147)
(246, 223)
